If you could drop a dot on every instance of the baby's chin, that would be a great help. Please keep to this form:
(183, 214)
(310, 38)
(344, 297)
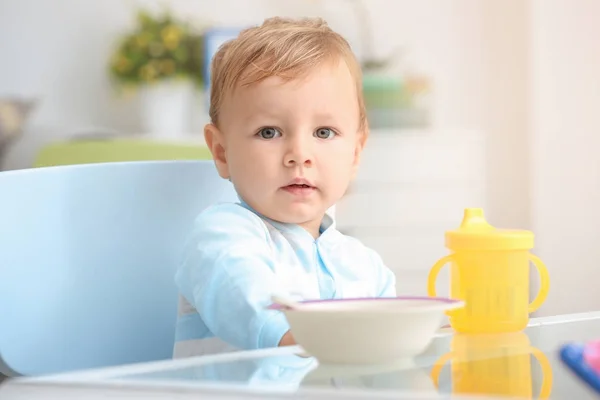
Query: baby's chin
(290, 213)
(298, 217)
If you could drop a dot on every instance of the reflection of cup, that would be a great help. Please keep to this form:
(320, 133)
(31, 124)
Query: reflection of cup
(403, 375)
(494, 364)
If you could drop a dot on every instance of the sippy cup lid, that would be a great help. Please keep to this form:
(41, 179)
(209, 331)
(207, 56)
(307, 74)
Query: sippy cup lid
(476, 233)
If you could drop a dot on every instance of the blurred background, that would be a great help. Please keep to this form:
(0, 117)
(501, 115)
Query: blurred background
(491, 104)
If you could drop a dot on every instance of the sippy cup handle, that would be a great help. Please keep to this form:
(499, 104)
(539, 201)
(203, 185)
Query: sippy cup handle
(431, 279)
(544, 283)
(546, 388)
(437, 368)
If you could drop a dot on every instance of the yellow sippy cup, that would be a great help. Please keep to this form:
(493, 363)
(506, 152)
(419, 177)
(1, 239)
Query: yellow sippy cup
(490, 272)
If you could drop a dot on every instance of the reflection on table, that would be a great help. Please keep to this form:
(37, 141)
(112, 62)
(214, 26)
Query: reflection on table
(521, 365)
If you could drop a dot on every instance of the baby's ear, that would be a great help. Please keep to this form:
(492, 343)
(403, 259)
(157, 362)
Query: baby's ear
(216, 145)
(360, 144)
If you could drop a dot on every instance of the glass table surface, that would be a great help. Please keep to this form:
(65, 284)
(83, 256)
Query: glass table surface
(517, 365)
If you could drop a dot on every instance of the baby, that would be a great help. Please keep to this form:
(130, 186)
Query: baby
(288, 125)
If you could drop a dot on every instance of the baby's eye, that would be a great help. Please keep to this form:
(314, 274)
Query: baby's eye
(269, 133)
(324, 133)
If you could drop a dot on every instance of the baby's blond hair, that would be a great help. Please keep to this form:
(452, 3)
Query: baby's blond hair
(281, 47)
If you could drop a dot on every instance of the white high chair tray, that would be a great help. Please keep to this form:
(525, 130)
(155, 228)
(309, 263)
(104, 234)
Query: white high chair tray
(281, 374)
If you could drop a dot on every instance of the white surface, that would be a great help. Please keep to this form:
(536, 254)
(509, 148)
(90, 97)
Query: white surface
(504, 99)
(533, 90)
(166, 107)
(474, 61)
(412, 187)
(98, 384)
(367, 331)
(69, 71)
(51, 392)
(565, 147)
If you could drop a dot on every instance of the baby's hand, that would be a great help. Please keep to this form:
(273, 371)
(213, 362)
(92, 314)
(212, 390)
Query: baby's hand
(287, 340)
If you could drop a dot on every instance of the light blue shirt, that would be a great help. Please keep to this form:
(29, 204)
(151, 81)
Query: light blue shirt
(235, 260)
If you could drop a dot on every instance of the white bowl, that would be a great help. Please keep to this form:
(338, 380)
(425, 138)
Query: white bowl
(367, 330)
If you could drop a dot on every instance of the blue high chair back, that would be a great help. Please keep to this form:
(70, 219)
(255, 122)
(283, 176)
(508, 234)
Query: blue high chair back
(87, 261)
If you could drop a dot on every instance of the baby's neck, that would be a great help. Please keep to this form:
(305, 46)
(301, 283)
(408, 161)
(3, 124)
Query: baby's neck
(313, 227)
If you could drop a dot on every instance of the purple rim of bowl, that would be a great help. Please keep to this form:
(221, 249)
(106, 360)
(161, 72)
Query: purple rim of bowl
(422, 298)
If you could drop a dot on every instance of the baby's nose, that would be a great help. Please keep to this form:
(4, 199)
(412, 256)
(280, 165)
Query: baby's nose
(298, 154)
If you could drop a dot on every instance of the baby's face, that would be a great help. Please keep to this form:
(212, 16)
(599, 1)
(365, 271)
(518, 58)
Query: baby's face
(292, 148)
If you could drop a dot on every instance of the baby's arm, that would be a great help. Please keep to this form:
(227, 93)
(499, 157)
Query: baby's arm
(228, 277)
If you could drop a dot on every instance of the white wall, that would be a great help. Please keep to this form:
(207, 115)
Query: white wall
(565, 147)
(526, 73)
(58, 51)
(477, 67)
(505, 94)
(542, 93)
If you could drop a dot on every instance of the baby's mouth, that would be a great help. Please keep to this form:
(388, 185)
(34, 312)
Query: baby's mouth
(300, 185)
(299, 189)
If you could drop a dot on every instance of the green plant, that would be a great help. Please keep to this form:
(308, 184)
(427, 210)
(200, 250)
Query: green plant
(159, 48)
